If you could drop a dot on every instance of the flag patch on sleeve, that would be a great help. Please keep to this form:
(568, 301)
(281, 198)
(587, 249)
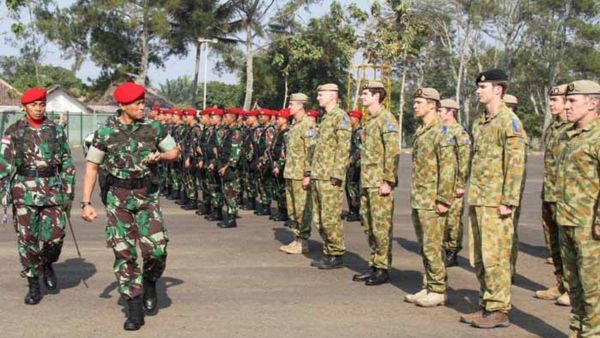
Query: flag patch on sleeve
(6, 140)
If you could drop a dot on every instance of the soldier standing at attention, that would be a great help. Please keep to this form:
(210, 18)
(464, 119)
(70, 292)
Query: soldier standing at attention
(176, 167)
(278, 151)
(215, 180)
(263, 123)
(552, 146)
(432, 193)
(202, 153)
(301, 139)
(264, 165)
(578, 206)
(378, 177)
(127, 149)
(228, 161)
(453, 232)
(37, 174)
(188, 199)
(249, 175)
(327, 172)
(353, 171)
(497, 169)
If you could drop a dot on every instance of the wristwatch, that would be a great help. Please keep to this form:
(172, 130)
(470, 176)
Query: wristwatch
(83, 204)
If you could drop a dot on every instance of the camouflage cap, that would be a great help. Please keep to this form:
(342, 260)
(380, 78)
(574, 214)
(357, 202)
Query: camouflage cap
(559, 90)
(449, 104)
(427, 93)
(583, 87)
(374, 85)
(510, 99)
(299, 97)
(328, 87)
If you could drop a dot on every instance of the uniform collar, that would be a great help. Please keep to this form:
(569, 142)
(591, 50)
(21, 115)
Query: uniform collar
(487, 118)
(423, 128)
(379, 113)
(573, 131)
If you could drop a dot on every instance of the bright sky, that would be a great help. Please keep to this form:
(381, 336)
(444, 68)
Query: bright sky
(174, 67)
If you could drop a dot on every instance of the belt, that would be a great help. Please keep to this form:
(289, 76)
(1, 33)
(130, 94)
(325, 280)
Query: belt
(38, 172)
(131, 183)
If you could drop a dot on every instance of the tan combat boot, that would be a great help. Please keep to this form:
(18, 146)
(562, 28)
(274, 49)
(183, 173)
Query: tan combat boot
(549, 261)
(493, 319)
(575, 334)
(297, 247)
(413, 298)
(550, 294)
(471, 317)
(432, 299)
(563, 300)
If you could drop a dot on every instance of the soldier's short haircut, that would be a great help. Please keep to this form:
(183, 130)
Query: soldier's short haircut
(454, 112)
(502, 85)
(381, 91)
(437, 103)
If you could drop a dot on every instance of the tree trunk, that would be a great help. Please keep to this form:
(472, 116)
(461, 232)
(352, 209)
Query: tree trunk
(285, 97)
(402, 84)
(249, 71)
(196, 73)
(143, 74)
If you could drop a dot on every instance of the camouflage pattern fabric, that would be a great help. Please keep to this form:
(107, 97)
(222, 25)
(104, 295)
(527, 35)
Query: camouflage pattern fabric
(215, 185)
(299, 208)
(230, 148)
(38, 212)
(278, 151)
(326, 204)
(266, 182)
(250, 176)
(203, 153)
(429, 228)
(353, 171)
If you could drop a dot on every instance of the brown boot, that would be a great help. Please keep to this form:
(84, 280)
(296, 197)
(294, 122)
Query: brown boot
(563, 300)
(575, 334)
(493, 319)
(471, 317)
(297, 247)
(550, 294)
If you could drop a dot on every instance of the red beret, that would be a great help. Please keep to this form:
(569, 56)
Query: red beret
(206, 111)
(180, 112)
(128, 92)
(33, 94)
(168, 111)
(312, 113)
(285, 113)
(190, 112)
(253, 113)
(264, 111)
(236, 111)
(355, 113)
(217, 111)
(156, 108)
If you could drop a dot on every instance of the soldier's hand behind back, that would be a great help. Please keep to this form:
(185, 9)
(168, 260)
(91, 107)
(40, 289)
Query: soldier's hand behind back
(88, 213)
(596, 232)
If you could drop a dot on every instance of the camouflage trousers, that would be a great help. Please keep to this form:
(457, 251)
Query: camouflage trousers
(279, 191)
(189, 184)
(215, 187)
(581, 266)
(231, 188)
(203, 187)
(299, 208)
(493, 238)
(163, 172)
(134, 217)
(429, 227)
(175, 176)
(265, 188)
(353, 192)
(327, 202)
(552, 240)
(250, 184)
(453, 234)
(377, 213)
(514, 252)
(35, 224)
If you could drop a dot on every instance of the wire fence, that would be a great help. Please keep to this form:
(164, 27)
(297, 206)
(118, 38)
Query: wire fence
(77, 125)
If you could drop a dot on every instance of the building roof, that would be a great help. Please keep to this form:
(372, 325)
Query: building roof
(9, 95)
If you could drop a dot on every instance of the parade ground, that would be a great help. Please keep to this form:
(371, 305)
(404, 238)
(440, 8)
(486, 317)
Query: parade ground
(235, 282)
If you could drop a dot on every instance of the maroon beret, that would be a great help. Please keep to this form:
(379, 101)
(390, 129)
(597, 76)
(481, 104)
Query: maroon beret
(33, 94)
(128, 92)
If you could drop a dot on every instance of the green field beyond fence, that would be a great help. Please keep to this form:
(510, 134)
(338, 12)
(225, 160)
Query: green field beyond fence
(77, 125)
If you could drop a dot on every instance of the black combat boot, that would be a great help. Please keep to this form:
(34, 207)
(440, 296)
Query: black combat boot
(378, 277)
(451, 259)
(150, 299)
(264, 210)
(34, 295)
(217, 215)
(353, 216)
(190, 205)
(281, 216)
(361, 277)
(331, 262)
(227, 222)
(135, 314)
(50, 277)
(204, 209)
(174, 195)
(182, 199)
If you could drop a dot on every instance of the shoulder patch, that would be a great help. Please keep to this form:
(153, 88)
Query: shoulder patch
(515, 126)
(6, 140)
(445, 130)
(312, 133)
(450, 140)
(345, 121)
(389, 126)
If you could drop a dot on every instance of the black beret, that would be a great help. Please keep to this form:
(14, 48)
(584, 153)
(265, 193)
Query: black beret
(494, 75)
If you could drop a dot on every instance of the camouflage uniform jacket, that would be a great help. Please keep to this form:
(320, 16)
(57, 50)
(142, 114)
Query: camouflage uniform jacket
(26, 147)
(332, 148)
(256, 134)
(300, 146)
(356, 147)
(230, 147)
(498, 162)
(264, 146)
(463, 152)
(203, 148)
(578, 177)
(552, 148)
(122, 148)
(380, 150)
(214, 144)
(278, 149)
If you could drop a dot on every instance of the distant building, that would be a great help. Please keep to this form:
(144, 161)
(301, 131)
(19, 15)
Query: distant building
(61, 100)
(9, 97)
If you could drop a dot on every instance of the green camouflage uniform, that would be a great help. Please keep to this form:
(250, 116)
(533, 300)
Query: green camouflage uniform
(331, 153)
(229, 153)
(204, 153)
(577, 209)
(353, 172)
(497, 169)
(266, 181)
(301, 141)
(176, 166)
(454, 226)
(187, 174)
(250, 146)
(433, 178)
(278, 151)
(134, 215)
(38, 212)
(215, 181)
(379, 155)
(552, 150)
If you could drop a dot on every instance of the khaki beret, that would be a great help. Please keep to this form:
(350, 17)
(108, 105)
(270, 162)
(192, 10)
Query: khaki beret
(559, 90)
(328, 87)
(510, 99)
(427, 93)
(583, 87)
(448, 103)
(374, 85)
(299, 97)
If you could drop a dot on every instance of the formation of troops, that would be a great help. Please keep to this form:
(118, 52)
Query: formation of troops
(303, 162)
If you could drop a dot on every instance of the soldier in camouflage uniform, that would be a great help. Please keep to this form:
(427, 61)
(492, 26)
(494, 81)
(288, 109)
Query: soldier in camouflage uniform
(578, 206)
(353, 171)
(552, 147)
(265, 165)
(326, 173)
(215, 186)
(497, 169)
(228, 161)
(432, 193)
(163, 168)
(277, 154)
(176, 167)
(203, 152)
(378, 177)
(243, 169)
(249, 145)
(128, 150)
(190, 189)
(37, 174)
(300, 145)
(453, 232)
